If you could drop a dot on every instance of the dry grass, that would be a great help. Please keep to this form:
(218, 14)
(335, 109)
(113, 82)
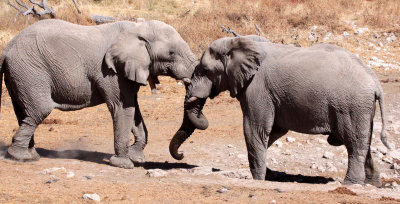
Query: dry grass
(281, 20)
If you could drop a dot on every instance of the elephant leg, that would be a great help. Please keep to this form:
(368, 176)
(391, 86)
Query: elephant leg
(256, 142)
(139, 130)
(122, 118)
(357, 141)
(371, 170)
(22, 146)
(275, 134)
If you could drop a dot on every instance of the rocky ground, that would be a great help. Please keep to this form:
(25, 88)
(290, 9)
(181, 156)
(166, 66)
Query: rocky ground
(75, 148)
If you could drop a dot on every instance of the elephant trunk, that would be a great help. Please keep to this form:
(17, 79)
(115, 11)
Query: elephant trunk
(193, 118)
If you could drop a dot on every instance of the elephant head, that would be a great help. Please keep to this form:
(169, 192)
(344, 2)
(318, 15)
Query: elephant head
(227, 64)
(142, 51)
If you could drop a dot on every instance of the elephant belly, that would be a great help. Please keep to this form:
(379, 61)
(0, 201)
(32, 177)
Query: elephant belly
(70, 97)
(303, 120)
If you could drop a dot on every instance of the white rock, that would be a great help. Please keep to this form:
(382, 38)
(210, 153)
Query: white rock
(70, 174)
(179, 83)
(290, 139)
(311, 37)
(321, 141)
(376, 35)
(278, 143)
(46, 171)
(321, 169)
(346, 34)
(328, 155)
(380, 44)
(231, 154)
(93, 196)
(242, 156)
(331, 167)
(230, 146)
(240, 174)
(371, 45)
(201, 170)
(156, 173)
(314, 28)
(273, 201)
(359, 31)
(327, 36)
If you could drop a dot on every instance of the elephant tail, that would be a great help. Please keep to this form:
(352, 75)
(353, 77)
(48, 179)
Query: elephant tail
(2, 66)
(379, 96)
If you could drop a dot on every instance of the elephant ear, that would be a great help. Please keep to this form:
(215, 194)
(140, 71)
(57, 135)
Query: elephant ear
(241, 63)
(129, 57)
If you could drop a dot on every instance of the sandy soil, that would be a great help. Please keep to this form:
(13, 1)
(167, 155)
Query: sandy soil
(215, 167)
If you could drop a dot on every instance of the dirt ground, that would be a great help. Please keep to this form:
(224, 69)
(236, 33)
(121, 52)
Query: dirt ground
(215, 167)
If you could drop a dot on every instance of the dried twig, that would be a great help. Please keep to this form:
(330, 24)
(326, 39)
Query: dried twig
(229, 30)
(258, 30)
(47, 10)
(76, 6)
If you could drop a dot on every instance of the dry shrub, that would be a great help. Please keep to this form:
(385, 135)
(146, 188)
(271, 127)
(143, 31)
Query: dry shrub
(381, 13)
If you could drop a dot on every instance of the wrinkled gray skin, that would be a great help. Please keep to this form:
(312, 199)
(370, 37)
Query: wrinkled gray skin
(322, 89)
(56, 64)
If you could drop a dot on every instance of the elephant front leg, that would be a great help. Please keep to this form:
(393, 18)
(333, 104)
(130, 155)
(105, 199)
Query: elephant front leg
(256, 141)
(122, 118)
(139, 130)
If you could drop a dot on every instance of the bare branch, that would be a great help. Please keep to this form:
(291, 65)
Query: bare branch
(47, 10)
(21, 4)
(229, 30)
(16, 7)
(76, 6)
(258, 30)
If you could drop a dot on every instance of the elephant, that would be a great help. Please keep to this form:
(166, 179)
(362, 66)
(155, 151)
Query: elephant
(323, 89)
(54, 64)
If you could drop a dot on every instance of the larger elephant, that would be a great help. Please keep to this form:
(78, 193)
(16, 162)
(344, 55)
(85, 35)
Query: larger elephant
(56, 64)
(323, 89)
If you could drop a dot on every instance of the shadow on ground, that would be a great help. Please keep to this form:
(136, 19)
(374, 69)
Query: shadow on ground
(102, 158)
(284, 177)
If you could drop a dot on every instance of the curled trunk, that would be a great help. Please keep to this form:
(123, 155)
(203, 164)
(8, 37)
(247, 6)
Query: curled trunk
(193, 118)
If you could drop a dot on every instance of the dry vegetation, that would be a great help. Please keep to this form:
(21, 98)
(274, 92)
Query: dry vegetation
(199, 21)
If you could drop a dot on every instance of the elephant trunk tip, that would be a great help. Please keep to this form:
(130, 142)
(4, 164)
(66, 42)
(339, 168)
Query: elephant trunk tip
(175, 143)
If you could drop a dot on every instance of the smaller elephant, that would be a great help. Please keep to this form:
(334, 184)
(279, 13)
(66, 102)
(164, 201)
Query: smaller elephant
(54, 64)
(323, 89)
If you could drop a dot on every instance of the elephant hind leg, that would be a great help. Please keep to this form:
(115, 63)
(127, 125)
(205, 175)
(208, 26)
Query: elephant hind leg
(22, 146)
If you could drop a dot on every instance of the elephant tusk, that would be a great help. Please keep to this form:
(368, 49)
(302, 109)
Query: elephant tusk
(191, 99)
(187, 81)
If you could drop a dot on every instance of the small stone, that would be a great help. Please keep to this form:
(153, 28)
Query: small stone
(93, 196)
(311, 37)
(179, 83)
(327, 36)
(206, 187)
(231, 154)
(223, 190)
(328, 155)
(242, 156)
(230, 146)
(70, 174)
(380, 44)
(251, 195)
(346, 34)
(376, 35)
(278, 144)
(154, 173)
(321, 141)
(46, 171)
(273, 201)
(279, 190)
(290, 139)
(313, 166)
(89, 177)
(53, 179)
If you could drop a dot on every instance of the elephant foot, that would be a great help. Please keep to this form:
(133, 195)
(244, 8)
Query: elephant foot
(22, 154)
(136, 154)
(122, 162)
(374, 181)
(258, 174)
(349, 181)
